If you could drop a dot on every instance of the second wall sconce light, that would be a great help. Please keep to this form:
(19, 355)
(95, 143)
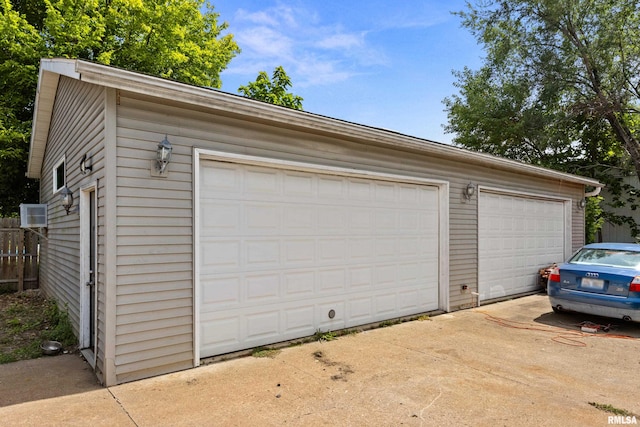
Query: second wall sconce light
(67, 198)
(163, 155)
(582, 203)
(469, 191)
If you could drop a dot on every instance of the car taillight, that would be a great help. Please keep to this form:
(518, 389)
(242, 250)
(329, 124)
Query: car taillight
(554, 276)
(635, 284)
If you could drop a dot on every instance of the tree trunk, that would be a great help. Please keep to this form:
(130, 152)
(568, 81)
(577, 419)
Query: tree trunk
(624, 135)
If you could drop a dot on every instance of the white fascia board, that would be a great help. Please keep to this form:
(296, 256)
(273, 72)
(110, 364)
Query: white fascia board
(48, 77)
(60, 66)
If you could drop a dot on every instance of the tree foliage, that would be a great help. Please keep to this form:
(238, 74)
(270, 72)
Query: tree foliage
(559, 87)
(172, 39)
(272, 90)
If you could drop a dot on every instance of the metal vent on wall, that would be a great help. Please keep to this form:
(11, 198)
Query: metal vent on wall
(33, 215)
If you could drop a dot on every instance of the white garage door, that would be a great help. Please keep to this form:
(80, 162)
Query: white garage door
(285, 253)
(517, 236)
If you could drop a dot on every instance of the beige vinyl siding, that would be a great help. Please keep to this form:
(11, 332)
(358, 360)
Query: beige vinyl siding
(77, 128)
(620, 233)
(154, 257)
(143, 121)
(577, 224)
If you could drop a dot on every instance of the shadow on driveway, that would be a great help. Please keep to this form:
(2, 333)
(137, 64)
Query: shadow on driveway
(45, 378)
(575, 321)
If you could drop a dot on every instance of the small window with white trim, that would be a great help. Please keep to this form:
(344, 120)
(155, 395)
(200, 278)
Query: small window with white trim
(59, 175)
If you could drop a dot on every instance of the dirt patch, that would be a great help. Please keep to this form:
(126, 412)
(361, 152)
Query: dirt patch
(343, 370)
(26, 319)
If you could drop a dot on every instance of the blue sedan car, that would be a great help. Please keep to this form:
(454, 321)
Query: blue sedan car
(601, 279)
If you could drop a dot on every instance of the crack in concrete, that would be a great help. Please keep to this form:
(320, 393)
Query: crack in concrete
(122, 407)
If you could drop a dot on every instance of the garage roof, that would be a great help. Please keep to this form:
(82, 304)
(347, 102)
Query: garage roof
(247, 109)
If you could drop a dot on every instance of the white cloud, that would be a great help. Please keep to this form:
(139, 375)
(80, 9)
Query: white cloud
(311, 51)
(261, 41)
(260, 18)
(315, 71)
(274, 16)
(341, 41)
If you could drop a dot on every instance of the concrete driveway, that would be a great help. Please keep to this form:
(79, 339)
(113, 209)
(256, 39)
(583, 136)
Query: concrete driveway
(510, 363)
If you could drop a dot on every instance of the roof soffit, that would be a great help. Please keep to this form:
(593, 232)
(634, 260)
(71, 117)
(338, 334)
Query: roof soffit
(236, 106)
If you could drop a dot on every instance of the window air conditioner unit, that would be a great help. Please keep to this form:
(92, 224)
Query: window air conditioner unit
(32, 216)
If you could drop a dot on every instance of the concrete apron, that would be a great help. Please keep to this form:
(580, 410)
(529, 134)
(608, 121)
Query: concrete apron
(523, 366)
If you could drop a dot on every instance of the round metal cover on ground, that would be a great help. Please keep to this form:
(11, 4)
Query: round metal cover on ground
(332, 314)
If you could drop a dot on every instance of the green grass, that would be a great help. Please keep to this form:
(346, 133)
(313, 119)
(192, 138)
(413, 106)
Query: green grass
(324, 336)
(27, 319)
(62, 330)
(387, 323)
(611, 409)
(265, 352)
(28, 351)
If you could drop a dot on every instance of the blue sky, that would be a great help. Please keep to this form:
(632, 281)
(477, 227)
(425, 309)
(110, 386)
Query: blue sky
(381, 63)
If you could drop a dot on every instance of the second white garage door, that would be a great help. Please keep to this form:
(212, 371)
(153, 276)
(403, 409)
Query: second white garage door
(517, 235)
(285, 253)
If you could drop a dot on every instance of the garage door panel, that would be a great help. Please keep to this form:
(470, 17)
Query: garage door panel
(331, 280)
(385, 304)
(261, 219)
(517, 236)
(325, 307)
(409, 246)
(332, 250)
(263, 287)
(360, 220)
(300, 220)
(331, 189)
(221, 292)
(297, 184)
(220, 333)
(299, 252)
(221, 219)
(302, 244)
(360, 190)
(385, 247)
(299, 320)
(261, 181)
(262, 326)
(360, 277)
(360, 310)
(263, 253)
(361, 248)
(331, 220)
(223, 180)
(299, 284)
(217, 255)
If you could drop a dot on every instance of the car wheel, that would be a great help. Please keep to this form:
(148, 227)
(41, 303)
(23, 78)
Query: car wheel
(555, 309)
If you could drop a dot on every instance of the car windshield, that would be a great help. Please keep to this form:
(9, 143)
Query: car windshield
(608, 257)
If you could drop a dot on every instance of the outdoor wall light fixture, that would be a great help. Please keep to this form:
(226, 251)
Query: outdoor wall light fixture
(67, 199)
(582, 203)
(469, 191)
(163, 155)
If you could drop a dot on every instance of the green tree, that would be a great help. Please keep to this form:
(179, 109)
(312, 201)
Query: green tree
(559, 87)
(173, 39)
(272, 90)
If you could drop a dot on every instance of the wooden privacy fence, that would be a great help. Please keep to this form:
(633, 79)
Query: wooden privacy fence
(18, 256)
